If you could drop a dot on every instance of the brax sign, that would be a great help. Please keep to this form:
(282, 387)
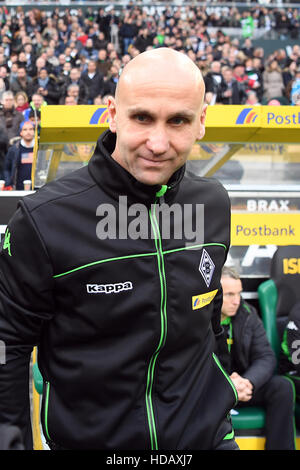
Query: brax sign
(108, 288)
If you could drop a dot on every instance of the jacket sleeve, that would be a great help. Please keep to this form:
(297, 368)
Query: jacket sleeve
(26, 304)
(262, 360)
(220, 338)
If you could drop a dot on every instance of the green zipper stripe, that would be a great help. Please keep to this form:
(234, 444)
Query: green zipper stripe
(227, 377)
(94, 263)
(163, 333)
(294, 403)
(192, 247)
(103, 261)
(46, 408)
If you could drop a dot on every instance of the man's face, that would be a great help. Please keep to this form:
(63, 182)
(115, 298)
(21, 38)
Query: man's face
(43, 74)
(232, 289)
(74, 91)
(157, 121)
(21, 73)
(74, 75)
(91, 67)
(27, 132)
(8, 102)
(37, 101)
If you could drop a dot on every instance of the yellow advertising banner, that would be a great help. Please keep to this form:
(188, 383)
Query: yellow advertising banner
(265, 229)
(224, 123)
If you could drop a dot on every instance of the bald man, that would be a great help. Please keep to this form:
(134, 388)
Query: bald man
(114, 272)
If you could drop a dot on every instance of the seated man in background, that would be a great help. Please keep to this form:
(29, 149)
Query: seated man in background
(251, 364)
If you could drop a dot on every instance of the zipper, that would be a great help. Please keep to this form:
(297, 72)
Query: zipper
(46, 410)
(216, 359)
(163, 332)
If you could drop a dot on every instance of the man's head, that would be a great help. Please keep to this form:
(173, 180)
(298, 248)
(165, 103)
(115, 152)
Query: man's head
(27, 131)
(21, 73)
(8, 100)
(37, 100)
(232, 289)
(74, 74)
(43, 73)
(73, 90)
(157, 114)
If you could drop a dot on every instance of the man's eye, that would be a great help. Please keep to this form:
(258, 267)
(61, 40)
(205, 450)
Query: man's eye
(177, 121)
(141, 118)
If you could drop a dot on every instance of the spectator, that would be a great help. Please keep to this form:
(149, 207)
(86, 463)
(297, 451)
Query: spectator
(22, 82)
(35, 105)
(248, 48)
(110, 84)
(213, 78)
(283, 25)
(255, 79)
(93, 80)
(231, 91)
(252, 99)
(247, 24)
(2, 88)
(10, 119)
(47, 86)
(89, 51)
(127, 32)
(70, 100)
(251, 363)
(74, 79)
(73, 91)
(272, 81)
(21, 101)
(240, 75)
(103, 62)
(19, 158)
(288, 74)
(144, 39)
(5, 76)
(295, 89)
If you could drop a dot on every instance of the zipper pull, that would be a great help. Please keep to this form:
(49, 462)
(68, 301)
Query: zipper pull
(162, 190)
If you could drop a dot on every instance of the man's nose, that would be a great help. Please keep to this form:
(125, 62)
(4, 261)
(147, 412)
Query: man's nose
(158, 141)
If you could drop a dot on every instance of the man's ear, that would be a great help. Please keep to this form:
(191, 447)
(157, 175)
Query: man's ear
(112, 110)
(202, 123)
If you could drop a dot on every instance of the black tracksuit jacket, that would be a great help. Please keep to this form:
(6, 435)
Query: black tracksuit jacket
(124, 347)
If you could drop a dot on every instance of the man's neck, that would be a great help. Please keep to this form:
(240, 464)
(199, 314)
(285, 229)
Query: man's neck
(27, 143)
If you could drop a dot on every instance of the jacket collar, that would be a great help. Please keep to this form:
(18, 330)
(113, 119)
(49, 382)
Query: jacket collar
(116, 181)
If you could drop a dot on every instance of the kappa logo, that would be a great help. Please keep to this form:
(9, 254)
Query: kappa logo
(206, 267)
(109, 288)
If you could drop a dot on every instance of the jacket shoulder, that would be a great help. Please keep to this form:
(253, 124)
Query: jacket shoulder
(72, 185)
(209, 186)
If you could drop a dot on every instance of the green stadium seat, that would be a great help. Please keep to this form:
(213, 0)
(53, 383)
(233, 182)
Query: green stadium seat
(252, 417)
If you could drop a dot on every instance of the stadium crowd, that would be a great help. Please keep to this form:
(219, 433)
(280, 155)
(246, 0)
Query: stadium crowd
(75, 56)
